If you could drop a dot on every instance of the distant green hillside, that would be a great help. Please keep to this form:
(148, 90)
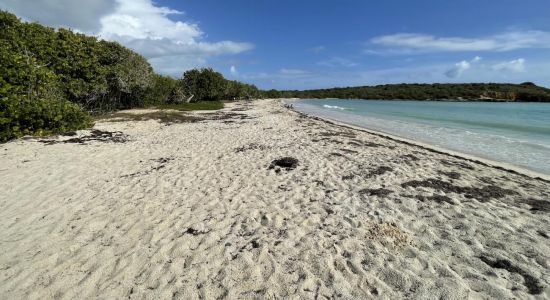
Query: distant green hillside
(525, 92)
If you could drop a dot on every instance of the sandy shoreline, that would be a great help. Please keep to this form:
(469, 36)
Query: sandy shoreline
(190, 210)
(469, 157)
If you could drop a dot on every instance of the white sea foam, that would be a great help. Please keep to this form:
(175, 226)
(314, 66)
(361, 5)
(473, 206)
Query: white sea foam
(504, 143)
(334, 107)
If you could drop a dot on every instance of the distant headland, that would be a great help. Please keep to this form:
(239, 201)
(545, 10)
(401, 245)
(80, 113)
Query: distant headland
(525, 92)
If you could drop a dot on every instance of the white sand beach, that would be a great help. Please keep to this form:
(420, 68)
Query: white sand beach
(193, 209)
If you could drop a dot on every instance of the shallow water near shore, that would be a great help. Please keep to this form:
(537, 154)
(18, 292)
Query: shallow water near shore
(513, 133)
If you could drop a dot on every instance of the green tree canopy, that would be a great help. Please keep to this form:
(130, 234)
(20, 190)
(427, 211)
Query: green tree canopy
(49, 77)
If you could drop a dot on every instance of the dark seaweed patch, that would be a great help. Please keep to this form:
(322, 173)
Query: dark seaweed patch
(359, 143)
(533, 285)
(483, 194)
(319, 182)
(459, 164)
(161, 164)
(193, 231)
(489, 191)
(162, 160)
(240, 109)
(340, 134)
(255, 244)
(95, 135)
(226, 116)
(410, 157)
(349, 150)
(375, 192)
(538, 205)
(371, 144)
(487, 180)
(378, 171)
(329, 210)
(348, 177)
(452, 174)
(286, 163)
(435, 198)
(252, 146)
(162, 116)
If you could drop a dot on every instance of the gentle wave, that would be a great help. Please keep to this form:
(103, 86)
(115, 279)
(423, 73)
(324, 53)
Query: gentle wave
(334, 107)
(514, 135)
(496, 125)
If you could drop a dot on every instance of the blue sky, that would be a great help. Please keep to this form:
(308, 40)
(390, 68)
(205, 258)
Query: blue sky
(315, 44)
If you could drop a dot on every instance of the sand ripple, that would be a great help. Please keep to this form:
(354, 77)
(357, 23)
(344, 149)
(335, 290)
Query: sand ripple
(193, 210)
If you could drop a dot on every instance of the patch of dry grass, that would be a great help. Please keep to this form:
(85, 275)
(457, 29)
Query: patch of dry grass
(162, 116)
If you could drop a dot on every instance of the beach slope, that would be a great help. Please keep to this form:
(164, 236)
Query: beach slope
(206, 205)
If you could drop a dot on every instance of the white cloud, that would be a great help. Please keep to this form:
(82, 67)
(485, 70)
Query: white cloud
(458, 69)
(233, 71)
(141, 19)
(337, 62)
(517, 65)
(177, 64)
(170, 46)
(81, 15)
(461, 67)
(415, 42)
(151, 48)
(497, 68)
(147, 29)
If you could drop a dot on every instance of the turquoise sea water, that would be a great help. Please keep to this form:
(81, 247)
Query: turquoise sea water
(514, 133)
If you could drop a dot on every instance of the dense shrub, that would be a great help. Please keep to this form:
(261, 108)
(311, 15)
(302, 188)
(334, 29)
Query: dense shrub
(128, 75)
(20, 116)
(31, 102)
(209, 85)
(47, 76)
(204, 84)
(161, 90)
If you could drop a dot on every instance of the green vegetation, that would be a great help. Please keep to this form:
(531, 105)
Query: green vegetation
(209, 85)
(51, 80)
(21, 116)
(473, 91)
